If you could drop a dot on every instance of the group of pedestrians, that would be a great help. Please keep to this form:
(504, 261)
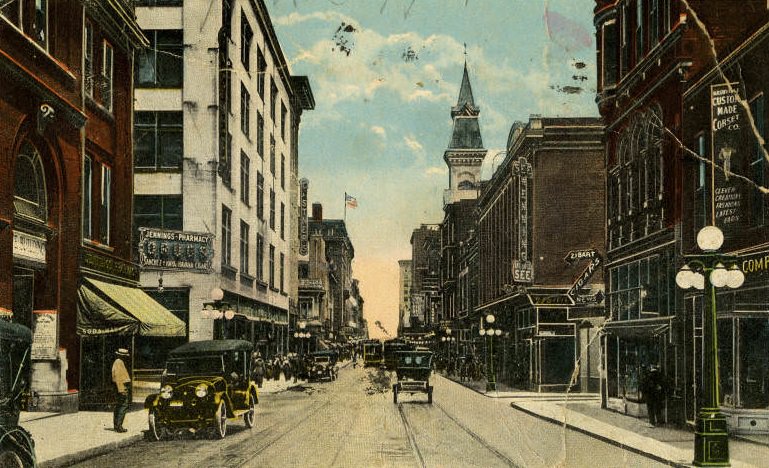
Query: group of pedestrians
(290, 365)
(466, 367)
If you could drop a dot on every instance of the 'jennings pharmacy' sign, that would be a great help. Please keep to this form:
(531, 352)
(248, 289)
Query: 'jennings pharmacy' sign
(175, 250)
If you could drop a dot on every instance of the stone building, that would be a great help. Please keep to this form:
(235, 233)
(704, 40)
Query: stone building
(216, 161)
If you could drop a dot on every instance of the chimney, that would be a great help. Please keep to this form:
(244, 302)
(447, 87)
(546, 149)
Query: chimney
(317, 212)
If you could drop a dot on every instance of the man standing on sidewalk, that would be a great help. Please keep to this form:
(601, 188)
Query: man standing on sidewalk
(123, 388)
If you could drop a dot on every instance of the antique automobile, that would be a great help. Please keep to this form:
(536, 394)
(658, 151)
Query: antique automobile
(204, 384)
(391, 348)
(17, 449)
(322, 365)
(413, 372)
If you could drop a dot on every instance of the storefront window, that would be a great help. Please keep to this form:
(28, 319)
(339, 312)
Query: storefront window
(754, 362)
(726, 361)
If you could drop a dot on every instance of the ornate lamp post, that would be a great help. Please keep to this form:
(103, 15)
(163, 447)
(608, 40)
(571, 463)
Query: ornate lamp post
(491, 373)
(711, 440)
(302, 335)
(217, 309)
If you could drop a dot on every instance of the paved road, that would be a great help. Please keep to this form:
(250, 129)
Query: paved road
(353, 422)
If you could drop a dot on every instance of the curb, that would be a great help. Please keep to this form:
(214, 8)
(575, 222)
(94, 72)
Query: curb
(600, 437)
(77, 457)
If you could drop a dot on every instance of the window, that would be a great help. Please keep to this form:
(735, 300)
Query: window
(11, 10)
(282, 271)
(30, 199)
(226, 236)
(106, 76)
(757, 164)
(702, 194)
(260, 256)
(245, 110)
(639, 30)
(40, 23)
(272, 209)
(261, 70)
(160, 65)
(225, 156)
(666, 15)
(259, 195)
(273, 96)
(106, 203)
(282, 220)
(158, 140)
(245, 178)
(654, 22)
(283, 113)
(158, 211)
(283, 172)
(609, 53)
(260, 134)
(625, 43)
(246, 36)
(272, 155)
(244, 247)
(88, 77)
(272, 266)
(87, 197)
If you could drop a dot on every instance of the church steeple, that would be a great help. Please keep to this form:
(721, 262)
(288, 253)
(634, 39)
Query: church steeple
(465, 152)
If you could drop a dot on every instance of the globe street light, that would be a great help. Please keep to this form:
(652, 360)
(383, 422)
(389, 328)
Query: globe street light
(217, 309)
(711, 439)
(491, 374)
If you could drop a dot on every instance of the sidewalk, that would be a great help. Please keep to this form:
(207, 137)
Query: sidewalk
(583, 413)
(63, 439)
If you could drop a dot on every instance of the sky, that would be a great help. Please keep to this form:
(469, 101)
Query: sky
(385, 73)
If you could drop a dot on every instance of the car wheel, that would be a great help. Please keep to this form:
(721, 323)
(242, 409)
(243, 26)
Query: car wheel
(220, 430)
(250, 415)
(10, 459)
(157, 432)
(395, 394)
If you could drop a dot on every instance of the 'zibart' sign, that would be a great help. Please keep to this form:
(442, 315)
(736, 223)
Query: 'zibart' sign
(175, 250)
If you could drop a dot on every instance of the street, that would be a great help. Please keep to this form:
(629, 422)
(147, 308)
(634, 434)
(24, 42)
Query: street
(352, 422)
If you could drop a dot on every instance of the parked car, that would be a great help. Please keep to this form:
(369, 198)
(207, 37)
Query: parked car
(17, 449)
(204, 384)
(323, 365)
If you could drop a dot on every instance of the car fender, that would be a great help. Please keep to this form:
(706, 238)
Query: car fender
(151, 401)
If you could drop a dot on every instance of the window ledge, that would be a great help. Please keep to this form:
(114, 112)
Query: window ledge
(94, 105)
(274, 289)
(98, 245)
(261, 284)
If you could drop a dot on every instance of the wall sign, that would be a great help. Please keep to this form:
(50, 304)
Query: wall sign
(45, 343)
(109, 265)
(175, 250)
(728, 153)
(28, 247)
(522, 267)
(304, 230)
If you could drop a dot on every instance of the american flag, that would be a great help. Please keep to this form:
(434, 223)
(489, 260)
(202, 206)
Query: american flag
(350, 201)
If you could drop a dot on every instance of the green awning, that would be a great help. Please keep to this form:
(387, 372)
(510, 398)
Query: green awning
(106, 308)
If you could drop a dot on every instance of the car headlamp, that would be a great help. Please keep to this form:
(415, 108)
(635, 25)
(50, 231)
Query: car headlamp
(166, 392)
(201, 390)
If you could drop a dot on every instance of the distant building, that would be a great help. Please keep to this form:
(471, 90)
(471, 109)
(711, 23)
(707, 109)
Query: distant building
(216, 154)
(425, 268)
(404, 295)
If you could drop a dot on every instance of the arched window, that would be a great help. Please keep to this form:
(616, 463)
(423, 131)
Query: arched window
(30, 199)
(466, 185)
(655, 138)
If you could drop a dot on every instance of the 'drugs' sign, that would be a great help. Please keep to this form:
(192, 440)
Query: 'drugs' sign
(729, 126)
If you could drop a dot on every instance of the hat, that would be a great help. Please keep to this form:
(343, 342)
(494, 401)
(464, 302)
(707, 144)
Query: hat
(122, 352)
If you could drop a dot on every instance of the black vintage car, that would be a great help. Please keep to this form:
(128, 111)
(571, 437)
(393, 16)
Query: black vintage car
(17, 449)
(413, 371)
(322, 365)
(204, 384)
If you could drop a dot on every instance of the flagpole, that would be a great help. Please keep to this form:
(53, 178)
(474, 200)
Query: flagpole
(345, 207)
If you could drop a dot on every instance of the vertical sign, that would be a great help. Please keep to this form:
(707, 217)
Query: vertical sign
(304, 230)
(45, 335)
(728, 154)
(522, 266)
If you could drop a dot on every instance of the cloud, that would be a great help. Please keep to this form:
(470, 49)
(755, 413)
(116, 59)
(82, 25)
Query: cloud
(436, 171)
(413, 144)
(379, 130)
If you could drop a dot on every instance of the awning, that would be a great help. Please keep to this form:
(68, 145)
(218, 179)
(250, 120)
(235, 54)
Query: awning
(106, 308)
(644, 328)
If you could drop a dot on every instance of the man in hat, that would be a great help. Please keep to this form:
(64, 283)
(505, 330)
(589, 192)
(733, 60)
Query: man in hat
(122, 381)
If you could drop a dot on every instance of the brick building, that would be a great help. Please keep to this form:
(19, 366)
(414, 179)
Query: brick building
(540, 244)
(425, 280)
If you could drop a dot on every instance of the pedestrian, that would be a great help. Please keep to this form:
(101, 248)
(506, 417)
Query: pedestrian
(654, 389)
(122, 381)
(257, 368)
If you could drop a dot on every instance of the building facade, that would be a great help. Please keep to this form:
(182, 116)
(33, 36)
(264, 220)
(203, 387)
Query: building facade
(425, 280)
(216, 159)
(65, 142)
(654, 97)
(540, 247)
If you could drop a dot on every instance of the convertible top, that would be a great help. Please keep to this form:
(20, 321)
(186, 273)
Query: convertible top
(211, 346)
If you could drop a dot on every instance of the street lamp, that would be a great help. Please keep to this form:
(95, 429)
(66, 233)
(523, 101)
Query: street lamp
(217, 309)
(491, 374)
(711, 439)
